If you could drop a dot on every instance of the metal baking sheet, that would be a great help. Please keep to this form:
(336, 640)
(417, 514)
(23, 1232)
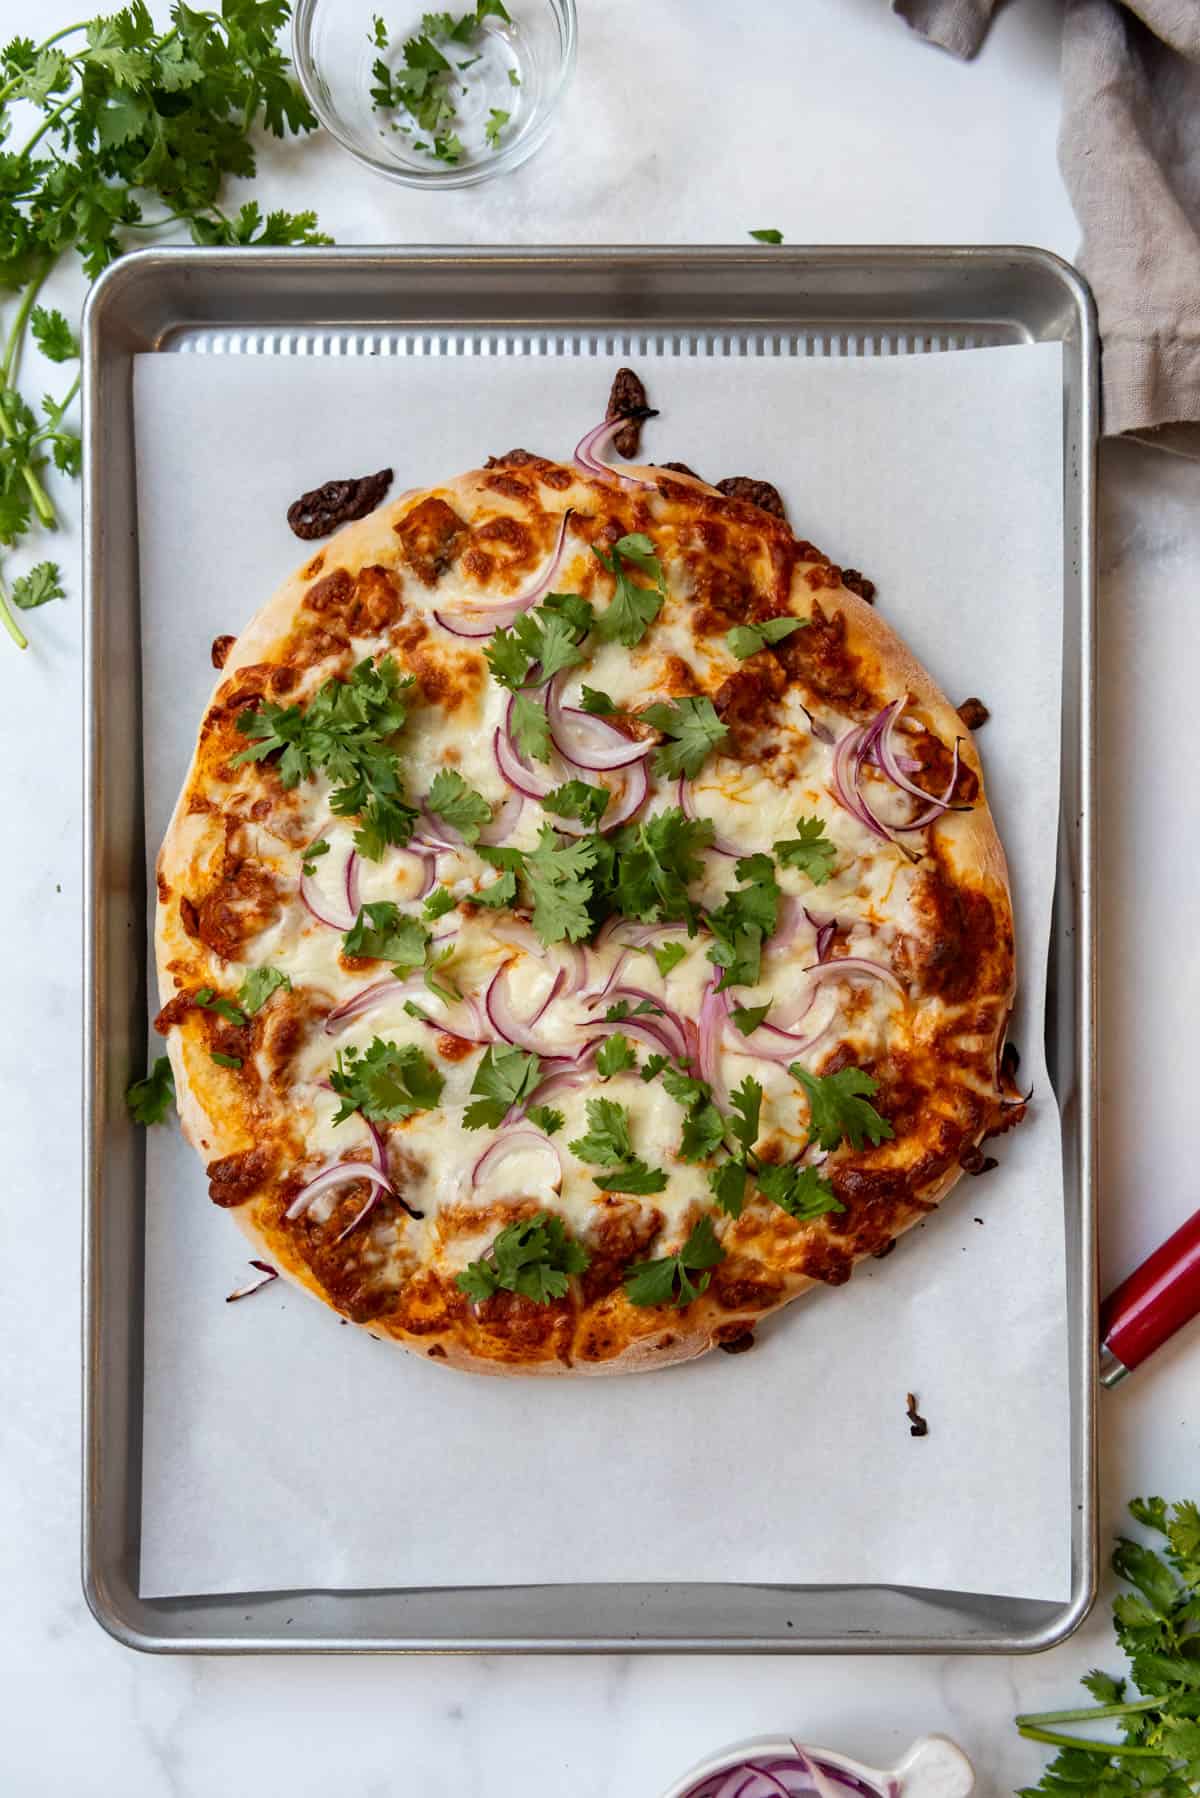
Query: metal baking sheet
(830, 303)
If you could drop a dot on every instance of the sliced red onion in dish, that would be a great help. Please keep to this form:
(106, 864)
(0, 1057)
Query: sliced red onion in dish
(645, 1030)
(713, 1010)
(587, 450)
(554, 989)
(688, 808)
(798, 1775)
(340, 912)
(894, 766)
(662, 1022)
(266, 1273)
(875, 739)
(820, 731)
(626, 804)
(518, 1141)
(586, 741)
(628, 930)
(564, 1080)
(432, 834)
(482, 621)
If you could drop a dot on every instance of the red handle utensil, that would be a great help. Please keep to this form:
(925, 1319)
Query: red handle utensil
(1157, 1299)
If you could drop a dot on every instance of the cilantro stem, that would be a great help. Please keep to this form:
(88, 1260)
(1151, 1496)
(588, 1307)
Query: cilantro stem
(16, 337)
(10, 624)
(1130, 1749)
(48, 123)
(1086, 1712)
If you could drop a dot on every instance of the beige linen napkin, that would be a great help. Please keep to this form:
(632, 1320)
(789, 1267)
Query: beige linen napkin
(1129, 146)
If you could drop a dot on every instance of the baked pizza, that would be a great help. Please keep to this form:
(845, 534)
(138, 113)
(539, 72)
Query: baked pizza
(582, 929)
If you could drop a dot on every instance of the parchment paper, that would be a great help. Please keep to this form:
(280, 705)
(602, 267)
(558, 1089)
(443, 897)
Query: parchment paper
(283, 1449)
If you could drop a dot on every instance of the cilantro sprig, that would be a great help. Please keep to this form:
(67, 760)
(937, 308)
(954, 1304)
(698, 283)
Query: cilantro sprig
(840, 1107)
(747, 639)
(810, 850)
(150, 1100)
(670, 1281)
(382, 932)
(257, 987)
(506, 1076)
(633, 608)
(128, 113)
(535, 1258)
(744, 920)
(547, 638)
(609, 1145)
(1158, 1628)
(692, 728)
(347, 731)
(458, 804)
(387, 1082)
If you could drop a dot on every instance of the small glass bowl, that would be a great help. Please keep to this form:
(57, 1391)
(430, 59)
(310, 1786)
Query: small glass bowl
(334, 48)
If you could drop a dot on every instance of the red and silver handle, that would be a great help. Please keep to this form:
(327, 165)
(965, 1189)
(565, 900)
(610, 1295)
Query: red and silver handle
(1157, 1299)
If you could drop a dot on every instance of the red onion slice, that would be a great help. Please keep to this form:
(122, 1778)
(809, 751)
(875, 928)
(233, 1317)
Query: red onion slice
(516, 1142)
(586, 452)
(688, 807)
(531, 783)
(337, 1175)
(266, 1273)
(585, 740)
(324, 909)
(847, 758)
(476, 621)
(849, 966)
(630, 798)
(504, 1020)
(713, 1009)
(796, 1775)
(505, 821)
(826, 929)
(368, 997)
(663, 1019)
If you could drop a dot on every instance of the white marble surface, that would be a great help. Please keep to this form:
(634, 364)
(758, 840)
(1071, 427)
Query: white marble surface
(679, 129)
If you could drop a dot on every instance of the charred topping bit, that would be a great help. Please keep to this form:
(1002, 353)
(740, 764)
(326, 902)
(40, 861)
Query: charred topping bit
(738, 1345)
(317, 513)
(680, 468)
(628, 401)
(917, 1424)
(757, 493)
(858, 583)
(973, 712)
(974, 1161)
(884, 1252)
(266, 1273)
(221, 647)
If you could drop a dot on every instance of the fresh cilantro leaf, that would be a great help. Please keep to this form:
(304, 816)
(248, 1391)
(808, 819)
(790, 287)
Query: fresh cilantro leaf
(749, 1017)
(508, 658)
(746, 1100)
(703, 1133)
(767, 235)
(694, 730)
(599, 704)
(810, 850)
(53, 335)
(534, 1257)
(448, 147)
(658, 860)
(379, 32)
(653, 1067)
(150, 1100)
(505, 1076)
(633, 1177)
(556, 872)
(439, 902)
(578, 799)
(207, 1000)
(382, 932)
(633, 608)
(386, 1081)
(669, 1281)
(224, 1061)
(445, 989)
(257, 987)
(460, 805)
(546, 1118)
(840, 1108)
(684, 1089)
(548, 636)
(514, 80)
(728, 1186)
(741, 924)
(41, 584)
(669, 956)
(800, 1191)
(492, 9)
(615, 1056)
(607, 1142)
(346, 730)
(747, 639)
(530, 729)
(497, 119)
(623, 1009)
(312, 854)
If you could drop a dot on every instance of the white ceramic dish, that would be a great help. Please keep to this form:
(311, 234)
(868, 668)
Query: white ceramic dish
(934, 1767)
